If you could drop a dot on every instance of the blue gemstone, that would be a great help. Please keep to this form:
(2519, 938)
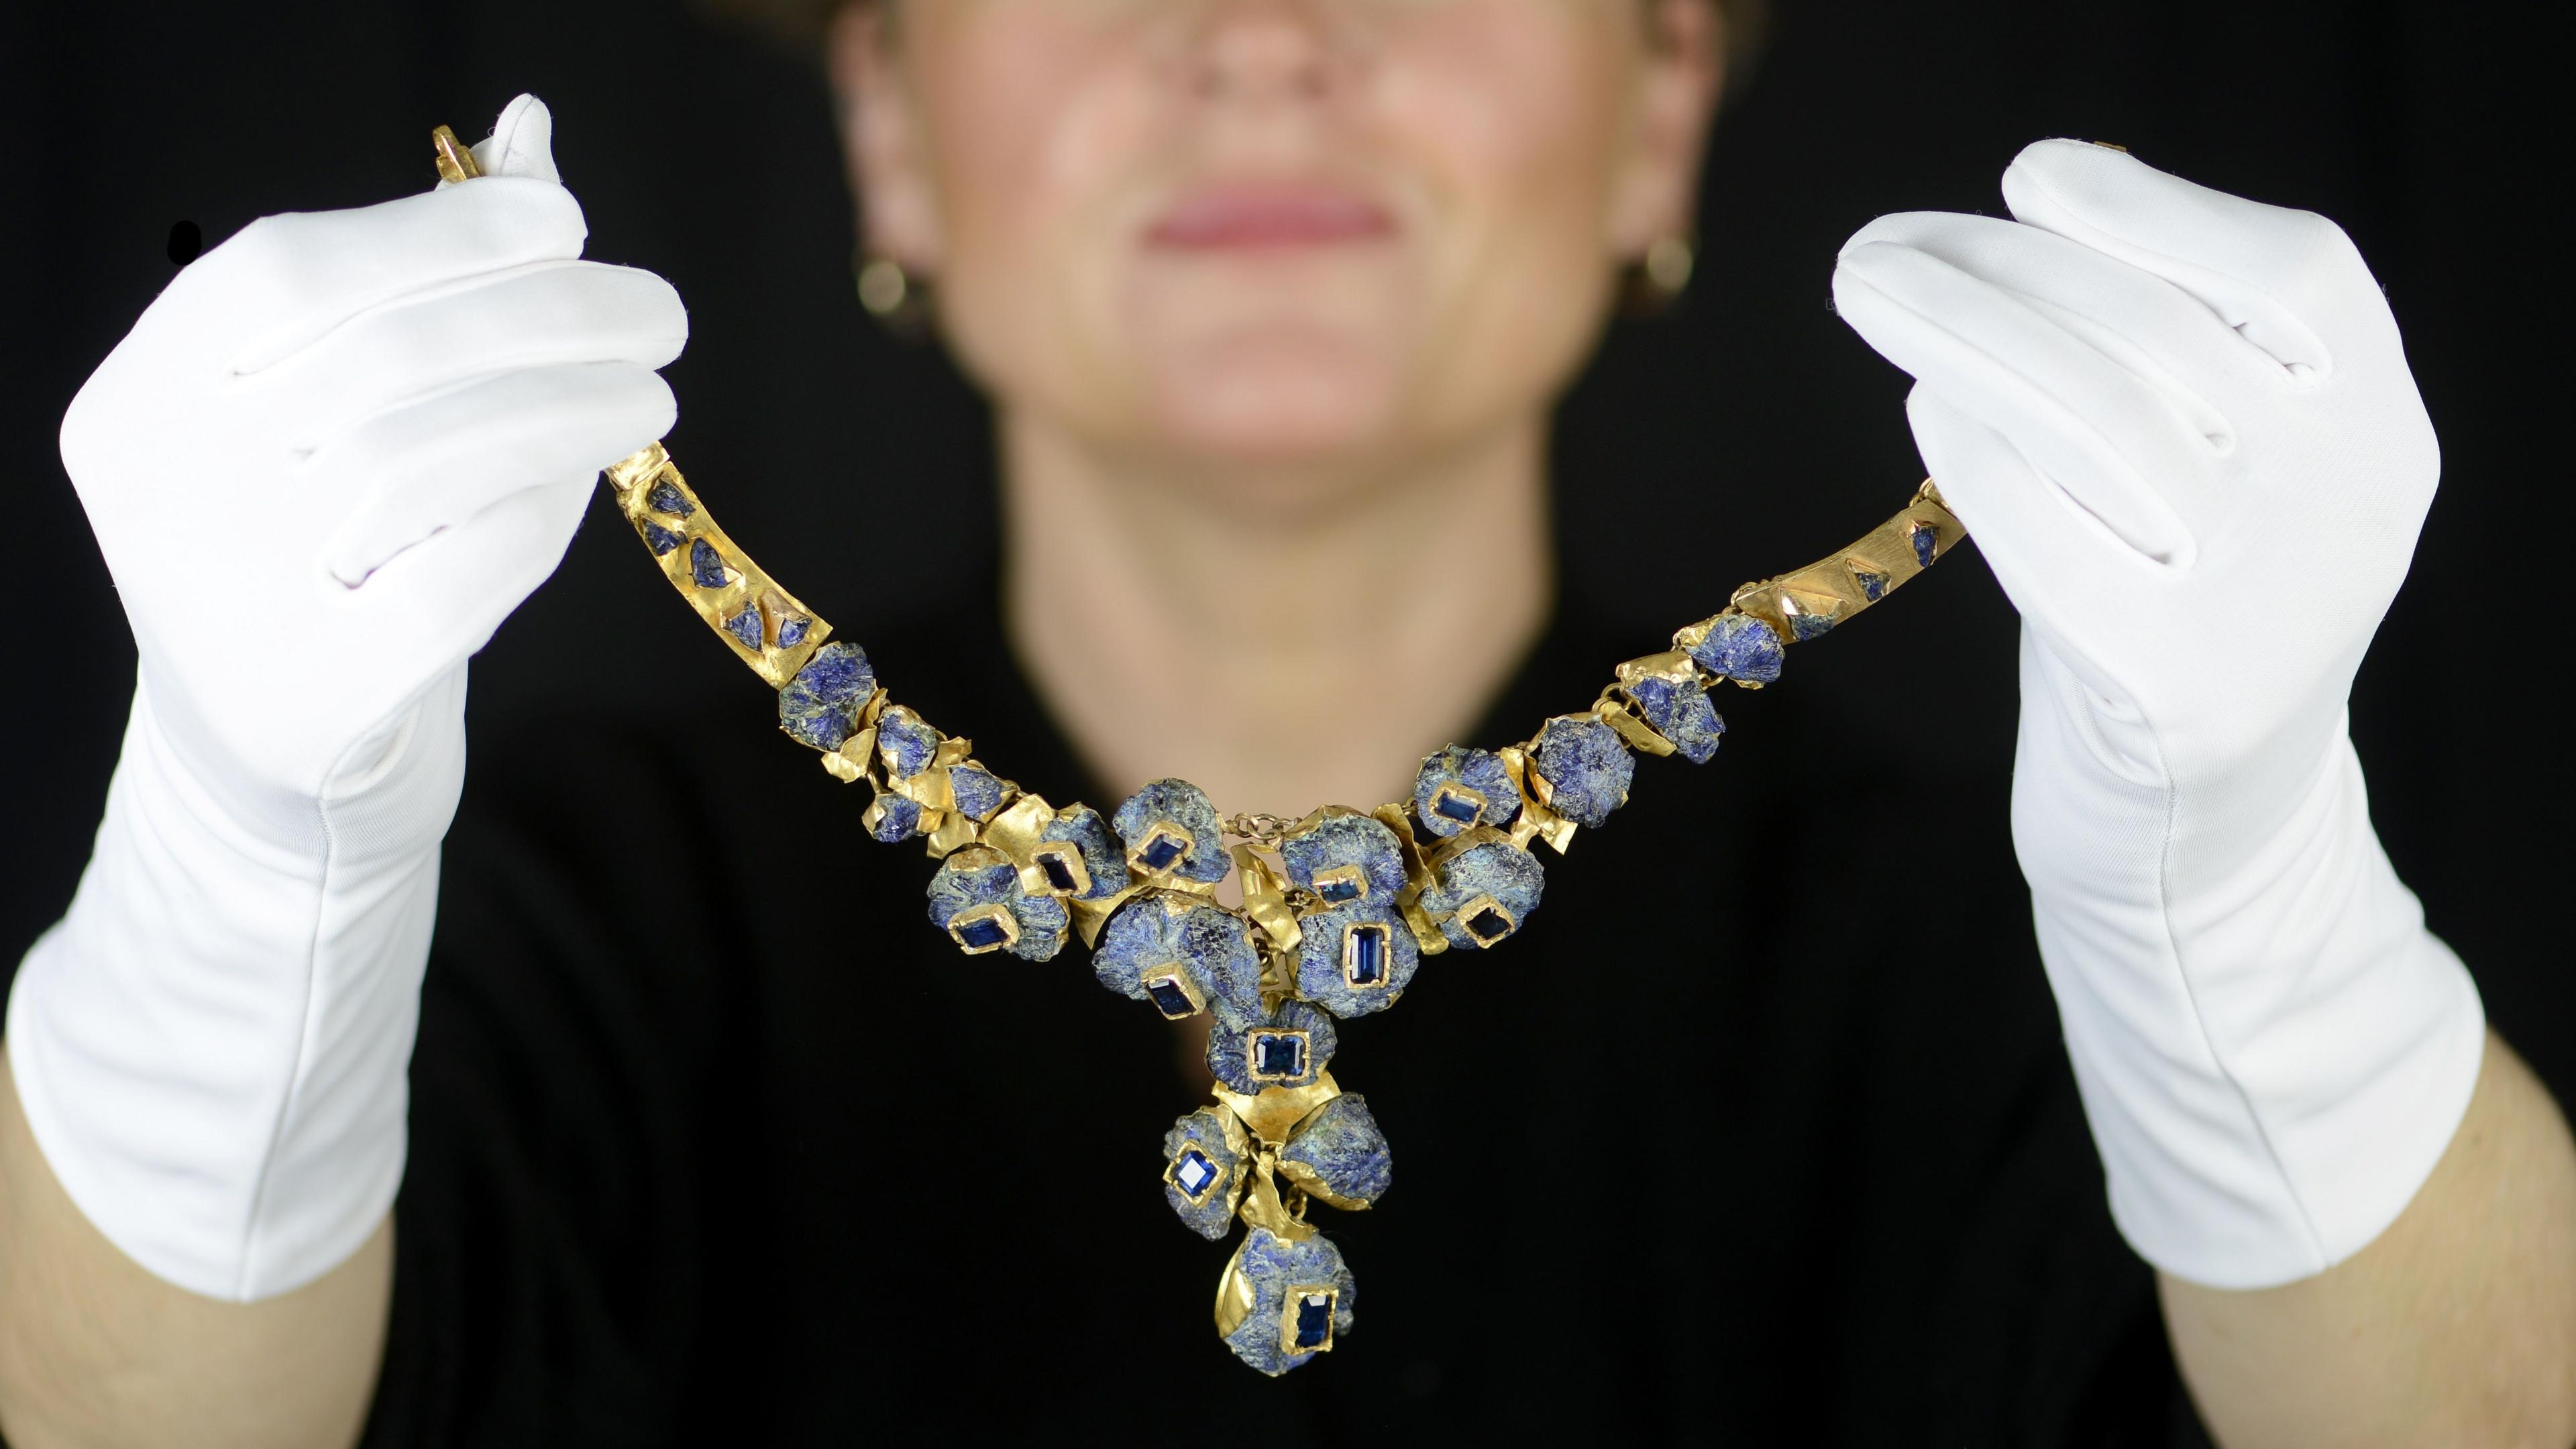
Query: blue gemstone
(791, 631)
(706, 565)
(1457, 807)
(745, 626)
(820, 706)
(1057, 873)
(1739, 646)
(1926, 542)
(983, 931)
(1162, 852)
(975, 790)
(657, 538)
(1170, 999)
(1340, 892)
(1489, 925)
(1367, 964)
(1872, 586)
(1804, 627)
(1195, 1174)
(1314, 1319)
(897, 822)
(667, 499)
(1278, 1055)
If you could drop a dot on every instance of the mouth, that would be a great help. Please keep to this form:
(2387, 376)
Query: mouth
(1268, 217)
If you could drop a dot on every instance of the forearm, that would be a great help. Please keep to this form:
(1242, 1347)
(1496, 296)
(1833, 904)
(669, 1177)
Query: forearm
(2456, 1326)
(95, 1351)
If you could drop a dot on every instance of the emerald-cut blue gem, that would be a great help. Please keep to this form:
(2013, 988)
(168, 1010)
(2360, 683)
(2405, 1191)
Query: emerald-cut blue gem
(1339, 892)
(659, 539)
(1057, 873)
(1195, 1174)
(706, 565)
(983, 931)
(1926, 542)
(745, 627)
(1456, 806)
(1162, 852)
(1314, 1319)
(665, 498)
(1489, 925)
(1278, 1055)
(1170, 999)
(792, 631)
(1367, 963)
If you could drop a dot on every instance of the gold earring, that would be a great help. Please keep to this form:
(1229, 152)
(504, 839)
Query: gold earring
(898, 300)
(1656, 280)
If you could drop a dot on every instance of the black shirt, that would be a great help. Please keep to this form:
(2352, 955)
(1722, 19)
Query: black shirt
(717, 1140)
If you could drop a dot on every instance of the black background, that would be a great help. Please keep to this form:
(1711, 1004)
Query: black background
(1743, 434)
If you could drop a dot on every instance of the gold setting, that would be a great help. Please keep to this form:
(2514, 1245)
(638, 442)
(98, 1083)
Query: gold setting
(1252, 1052)
(1225, 1173)
(1295, 1299)
(1177, 977)
(1341, 875)
(1453, 790)
(1010, 925)
(1162, 830)
(1468, 912)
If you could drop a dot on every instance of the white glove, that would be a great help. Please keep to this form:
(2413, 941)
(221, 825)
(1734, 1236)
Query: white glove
(323, 467)
(2181, 428)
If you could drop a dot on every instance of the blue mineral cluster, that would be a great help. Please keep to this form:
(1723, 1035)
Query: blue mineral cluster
(1193, 845)
(905, 743)
(1202, 1177)
(975, 791)
(1804, 626)
(663, 497)
(1083, 829)
(1497, 870)
(793, 629)
(1445, 813)
(900, 820)
(1337, 846)
(821, 705)
(657, 538)
(1156, 931)
(745, 628)
(1339, 1154)
(706, 565)
(1355, 959)
(1289, 1047)
(1740, 646)
(1279, 1334)
(1680, 713)
(1927, 542)
(1588, 767)
(979, 876)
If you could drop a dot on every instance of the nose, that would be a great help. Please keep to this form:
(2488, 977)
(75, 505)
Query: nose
(1261, 51)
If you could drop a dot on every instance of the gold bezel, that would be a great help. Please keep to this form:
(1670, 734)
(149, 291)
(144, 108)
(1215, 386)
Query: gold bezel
(1337, 874)
(1215, 1185)
(1075, 866)
(1305, 1053)
(1350, 945)
(1162, 830)
(1174, 973)
(1295, 1299)
(1463, 792)
(991, 911)
(1478, 906)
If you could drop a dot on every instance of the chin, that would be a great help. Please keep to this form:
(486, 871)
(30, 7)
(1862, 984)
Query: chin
(1278, 402)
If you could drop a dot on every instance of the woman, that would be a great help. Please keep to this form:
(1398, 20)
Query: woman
(1273, 298)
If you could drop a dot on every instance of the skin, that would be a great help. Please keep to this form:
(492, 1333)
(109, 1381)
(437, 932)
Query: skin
(1296, 422)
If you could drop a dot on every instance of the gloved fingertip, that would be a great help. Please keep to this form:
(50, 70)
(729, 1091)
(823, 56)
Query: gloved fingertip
(522, 142)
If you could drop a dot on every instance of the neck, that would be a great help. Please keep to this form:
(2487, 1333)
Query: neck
(1278, 656)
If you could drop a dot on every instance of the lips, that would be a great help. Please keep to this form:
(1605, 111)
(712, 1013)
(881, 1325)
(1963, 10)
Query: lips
(1246, 217)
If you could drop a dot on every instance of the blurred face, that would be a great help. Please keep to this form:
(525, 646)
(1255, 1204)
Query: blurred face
(1297, 240)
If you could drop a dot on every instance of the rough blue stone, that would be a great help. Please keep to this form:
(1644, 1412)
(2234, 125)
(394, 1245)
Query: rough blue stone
(1183, 805)
(1340, 1149)
(976, 791)
(1203, 1132)
(792, 630)
(1499, 869)
(657, 538)
(664, 498)
(1346, 840)
(904, 742)
(1157, 929)
(1872, 585)
(1083, 828)
(745, 627)
(1740, 646)
(1682, 714)
(982, 876)
(1479, 770)
(1803, 627)
(1589, 767)
(1319, 959)
(1927, 542)
(900, 820)
(706, 565)
(820, 706)
(1274, 1266)
(1229, 1052)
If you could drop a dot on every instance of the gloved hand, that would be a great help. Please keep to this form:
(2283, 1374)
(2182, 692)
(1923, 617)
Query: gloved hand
(2181, 428)
(323, 467)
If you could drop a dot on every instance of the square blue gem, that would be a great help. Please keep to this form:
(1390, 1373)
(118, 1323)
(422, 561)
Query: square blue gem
(1367, 963)
(1162, 852)
(1194, 1175)
(1314, 1319)
(1170, 999)
(983, 931)
(1489, 925)
(1278, 1055)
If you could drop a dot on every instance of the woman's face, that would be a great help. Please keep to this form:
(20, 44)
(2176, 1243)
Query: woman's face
(1295, 239)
